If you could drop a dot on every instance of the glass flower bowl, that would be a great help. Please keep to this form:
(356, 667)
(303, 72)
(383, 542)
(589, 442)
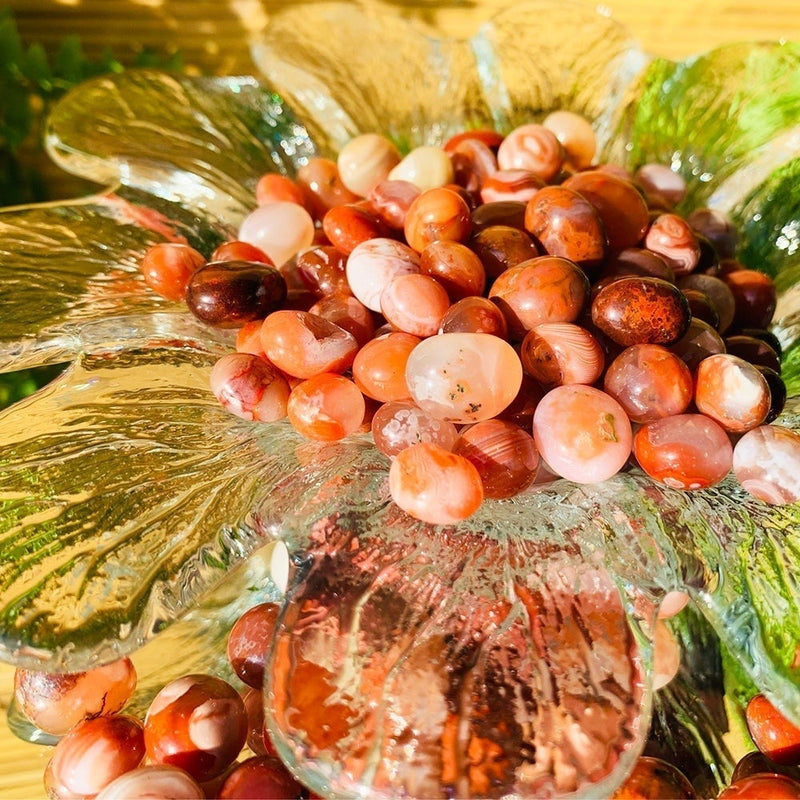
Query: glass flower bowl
(509, 654)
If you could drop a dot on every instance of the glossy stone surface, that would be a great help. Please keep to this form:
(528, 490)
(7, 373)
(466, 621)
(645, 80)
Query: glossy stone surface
(437, 214)
(373, 264)
(56, 702)
(532, 147)
(655, 779)
(303, 344)
(249, 640)
(582, 433)
(649, 382)
(197, 723)
(250, 387)
(566, 225)
(365, 161)
(641, 311)
(556, 353)
(500, 247)
(504, 455)
(155, 781)
(227, 294)
(621, 208)
(261, 776)
(279, 229)
(94, 753)
(463, 377)
(326, 407)
(766, 461)
(671, 237)
(685, 451)
(435, 485)
(540, 290)
(401, 423)
(731, 391)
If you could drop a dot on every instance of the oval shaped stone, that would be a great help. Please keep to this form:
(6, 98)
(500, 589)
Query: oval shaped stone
(226, 294)
(463, 377)
(639, 310)
(566, 225)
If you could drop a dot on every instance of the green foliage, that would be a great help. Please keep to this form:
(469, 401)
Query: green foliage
(18, 385)
(30, 81)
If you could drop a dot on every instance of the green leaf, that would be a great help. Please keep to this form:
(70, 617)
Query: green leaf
(36, 67)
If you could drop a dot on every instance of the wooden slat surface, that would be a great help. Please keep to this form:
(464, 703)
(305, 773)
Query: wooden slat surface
(212, 35)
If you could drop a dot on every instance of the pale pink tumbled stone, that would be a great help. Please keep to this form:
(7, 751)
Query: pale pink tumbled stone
(666, 655)
(281, 230)
(414, 304)
(463, 377)
(391, 201)
(661, 181)
(510, 184)
(583, 434)
(372, 264)
(427, 167)
(93, 754)
(365, 161)
(158, 782)
(576, 135)
(532, 147)
(766, 462)
(673, 603)
(250, 387)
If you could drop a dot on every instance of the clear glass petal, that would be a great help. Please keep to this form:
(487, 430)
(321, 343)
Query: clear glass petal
(70, 271)
(214, 137)
(125, 493)
(349, 69)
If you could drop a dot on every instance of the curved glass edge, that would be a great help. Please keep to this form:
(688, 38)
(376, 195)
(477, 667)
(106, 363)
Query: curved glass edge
(71, 278)
(511, 70)
(198, 142)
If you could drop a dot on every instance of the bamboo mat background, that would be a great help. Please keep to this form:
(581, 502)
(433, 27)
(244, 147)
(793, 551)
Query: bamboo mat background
(211, 35)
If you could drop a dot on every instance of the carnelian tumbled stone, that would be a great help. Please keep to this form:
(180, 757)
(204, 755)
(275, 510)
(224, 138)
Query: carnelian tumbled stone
(197, 723)
(685, 451)
(561, 352)
(379, 368)
(303, 344)
(655, 779)
(436, 215)
(767, 786)
(638, 310)
(54, 702)
(168, 266)
(227, 294)
(774, 735)
(463, 377)
(582, 433)
(731, 391)
(649, 382)
(326, 407)
(543, 289)
(435, 485)
(566, 225)
(401, 423)
(766, 462)
(622, 209)
(249, 387)
(504, 455)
